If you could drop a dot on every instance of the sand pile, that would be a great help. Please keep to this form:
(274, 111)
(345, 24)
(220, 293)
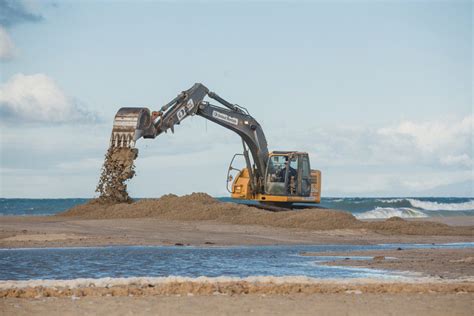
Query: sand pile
(117, 169)
(200, 206)
(396, 225)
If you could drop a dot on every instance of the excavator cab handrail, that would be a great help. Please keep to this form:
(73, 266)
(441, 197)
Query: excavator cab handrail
(229, 176)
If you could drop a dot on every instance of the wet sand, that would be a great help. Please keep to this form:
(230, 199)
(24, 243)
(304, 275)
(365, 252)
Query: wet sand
(438, 263)
(55, 231)
(449, 220)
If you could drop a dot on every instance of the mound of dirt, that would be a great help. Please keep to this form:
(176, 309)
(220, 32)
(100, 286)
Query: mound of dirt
(200, 207)
(117, 169)
(392, 227)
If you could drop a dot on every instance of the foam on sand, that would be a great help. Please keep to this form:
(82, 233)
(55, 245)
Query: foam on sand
(175, 285)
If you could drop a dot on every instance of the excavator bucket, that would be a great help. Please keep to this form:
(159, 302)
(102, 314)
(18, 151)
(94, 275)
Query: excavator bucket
(129, 125)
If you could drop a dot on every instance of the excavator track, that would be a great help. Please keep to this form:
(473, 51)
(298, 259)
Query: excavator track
(275, 208)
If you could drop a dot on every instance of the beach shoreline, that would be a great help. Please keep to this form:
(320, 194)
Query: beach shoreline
(430, 292)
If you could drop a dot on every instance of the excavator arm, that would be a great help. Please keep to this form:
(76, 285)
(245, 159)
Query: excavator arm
(130, 124)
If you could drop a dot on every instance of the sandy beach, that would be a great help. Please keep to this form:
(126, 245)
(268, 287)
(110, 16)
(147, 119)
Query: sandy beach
(315, 304)
(60, 231)
(444, 277)
(218, 296)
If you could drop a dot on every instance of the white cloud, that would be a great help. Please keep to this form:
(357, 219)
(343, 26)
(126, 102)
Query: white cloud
(399, 159)
(453, 160)
(7, 49)
(435, 143)
(434, 135)
(389, 182)
(36, 98)
(448, 142)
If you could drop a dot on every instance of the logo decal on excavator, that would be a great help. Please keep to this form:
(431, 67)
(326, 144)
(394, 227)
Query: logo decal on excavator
(190, 104)
(225, 117)
(181, 113)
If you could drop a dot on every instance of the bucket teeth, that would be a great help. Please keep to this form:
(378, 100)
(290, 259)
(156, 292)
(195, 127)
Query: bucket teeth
(122, 139)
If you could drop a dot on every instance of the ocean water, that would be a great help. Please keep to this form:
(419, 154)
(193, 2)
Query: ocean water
(36, 207)
(163, 261)
(372, 208)
(362, 208)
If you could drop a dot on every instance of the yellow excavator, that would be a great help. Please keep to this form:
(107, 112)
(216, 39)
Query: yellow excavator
(274, 179)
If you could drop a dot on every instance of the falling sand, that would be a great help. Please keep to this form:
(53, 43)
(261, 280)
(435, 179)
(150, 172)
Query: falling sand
(117, 169)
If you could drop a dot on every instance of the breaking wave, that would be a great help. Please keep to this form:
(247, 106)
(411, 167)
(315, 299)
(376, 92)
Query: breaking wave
(387, 212)
(437, 206)
(389, 200)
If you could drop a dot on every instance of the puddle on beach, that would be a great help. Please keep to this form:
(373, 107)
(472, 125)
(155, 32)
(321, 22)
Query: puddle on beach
(162, 261)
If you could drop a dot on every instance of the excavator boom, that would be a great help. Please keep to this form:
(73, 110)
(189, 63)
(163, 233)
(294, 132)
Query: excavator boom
(130, 124)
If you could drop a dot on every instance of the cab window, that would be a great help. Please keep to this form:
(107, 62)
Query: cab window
(275, 180)
(306, 176)
(276, 169)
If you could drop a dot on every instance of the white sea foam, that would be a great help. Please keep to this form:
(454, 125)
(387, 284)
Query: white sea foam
(435, 206)
(389, 200)
(107, 282)
(141, 281)
(387, 212)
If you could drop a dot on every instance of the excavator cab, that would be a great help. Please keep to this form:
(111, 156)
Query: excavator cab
(288, 179)
(288, 173)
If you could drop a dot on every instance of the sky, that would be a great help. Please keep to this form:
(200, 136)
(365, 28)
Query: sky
(379, 93)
